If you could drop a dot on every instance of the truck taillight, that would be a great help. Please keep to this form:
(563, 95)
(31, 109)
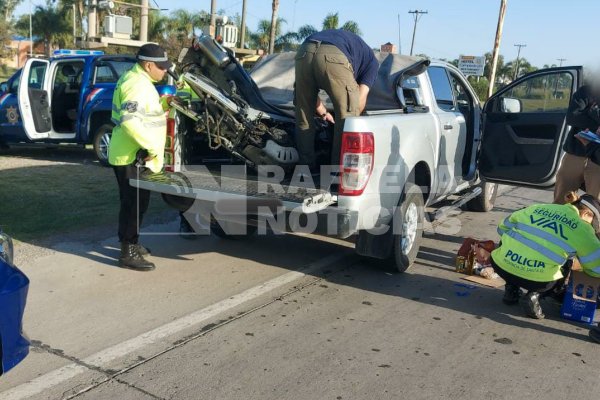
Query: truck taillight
(170, 146)
(356, 162)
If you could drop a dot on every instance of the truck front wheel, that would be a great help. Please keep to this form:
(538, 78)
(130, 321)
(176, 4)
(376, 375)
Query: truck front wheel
(101, 141)
(486, 200)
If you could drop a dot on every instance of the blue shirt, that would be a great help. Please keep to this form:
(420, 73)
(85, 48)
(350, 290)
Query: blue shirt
(359, 54)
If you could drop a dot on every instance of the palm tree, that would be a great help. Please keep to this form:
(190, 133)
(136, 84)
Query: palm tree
(305, 31)
(275, 7)
(261, 37)
(352, 26)
(184, 22)
(79, 11)
(331, 21)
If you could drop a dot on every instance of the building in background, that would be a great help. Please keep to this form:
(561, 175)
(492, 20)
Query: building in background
(388, 48)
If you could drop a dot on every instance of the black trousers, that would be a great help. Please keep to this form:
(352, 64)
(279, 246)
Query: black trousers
(134, 204)
(526, 284)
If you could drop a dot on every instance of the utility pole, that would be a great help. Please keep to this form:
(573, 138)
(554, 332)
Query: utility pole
(399, 41)
(144, 21)
(497, 46)
(92, 15)
(417, 16)
(518, 54)
(561, 61)
(243, 27)
(213, 18)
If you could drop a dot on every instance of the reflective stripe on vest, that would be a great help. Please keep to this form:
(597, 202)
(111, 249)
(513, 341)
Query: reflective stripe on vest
(543, 235)
(537, 247)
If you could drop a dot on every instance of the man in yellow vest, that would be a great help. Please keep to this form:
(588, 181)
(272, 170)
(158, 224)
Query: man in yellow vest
(537, 242)
(140, 131)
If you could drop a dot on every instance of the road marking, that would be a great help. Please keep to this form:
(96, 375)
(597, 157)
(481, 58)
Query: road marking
(102, 358)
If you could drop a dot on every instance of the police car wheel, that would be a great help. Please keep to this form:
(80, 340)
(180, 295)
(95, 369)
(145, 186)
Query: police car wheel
(101, 141)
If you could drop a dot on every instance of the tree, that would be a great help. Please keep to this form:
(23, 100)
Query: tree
(80, 11)
(261, 37)
(352, 26)
(305, 31)
(184, 22)
(272, 30)
(7, 7)
(50, 23)
(331, 21)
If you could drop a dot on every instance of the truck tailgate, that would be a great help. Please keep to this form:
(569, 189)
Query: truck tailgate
(210, 187)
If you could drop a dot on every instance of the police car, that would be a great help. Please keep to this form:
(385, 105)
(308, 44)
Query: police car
(64, 99)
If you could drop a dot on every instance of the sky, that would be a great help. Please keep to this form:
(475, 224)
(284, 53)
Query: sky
(550, 29)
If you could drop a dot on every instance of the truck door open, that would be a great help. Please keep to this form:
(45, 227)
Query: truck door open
(524, 128)
(34, 100)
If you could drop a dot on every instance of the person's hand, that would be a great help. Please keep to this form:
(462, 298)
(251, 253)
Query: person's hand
(149, 157)
(329, 118)
(581, 139)
(178, 100)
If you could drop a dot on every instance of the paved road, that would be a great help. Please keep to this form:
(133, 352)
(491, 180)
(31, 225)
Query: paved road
(290, 317)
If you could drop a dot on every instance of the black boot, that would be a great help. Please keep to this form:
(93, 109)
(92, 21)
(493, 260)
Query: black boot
(144, 251)
(511, 294)
(132, 259)
(595, 333)
(531, 305)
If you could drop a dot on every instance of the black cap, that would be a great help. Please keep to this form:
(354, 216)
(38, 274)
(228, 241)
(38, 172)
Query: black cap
(154, 53)
(591, 203)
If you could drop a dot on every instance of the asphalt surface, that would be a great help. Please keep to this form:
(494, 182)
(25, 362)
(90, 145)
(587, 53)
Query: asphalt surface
(289, 317)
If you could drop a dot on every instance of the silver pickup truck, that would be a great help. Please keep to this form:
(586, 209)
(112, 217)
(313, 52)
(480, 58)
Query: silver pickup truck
(423, 138)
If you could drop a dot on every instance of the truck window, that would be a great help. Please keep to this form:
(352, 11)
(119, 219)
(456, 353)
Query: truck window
(441, 88)
(411, 91)
(36, 75)
(109, 71)
(544, 93)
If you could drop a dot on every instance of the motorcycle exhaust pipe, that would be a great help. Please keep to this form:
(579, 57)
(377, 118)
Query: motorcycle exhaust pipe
(212, 50)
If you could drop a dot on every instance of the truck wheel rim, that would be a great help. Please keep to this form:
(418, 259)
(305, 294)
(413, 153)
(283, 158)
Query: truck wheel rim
(104, 142)
(409, 228)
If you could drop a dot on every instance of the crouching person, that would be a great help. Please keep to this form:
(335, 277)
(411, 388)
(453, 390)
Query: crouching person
(537, 242)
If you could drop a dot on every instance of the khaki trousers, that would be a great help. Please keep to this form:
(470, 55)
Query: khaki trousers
(574, 171)
(322, 66)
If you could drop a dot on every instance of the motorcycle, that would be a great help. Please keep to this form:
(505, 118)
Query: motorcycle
(231, 112)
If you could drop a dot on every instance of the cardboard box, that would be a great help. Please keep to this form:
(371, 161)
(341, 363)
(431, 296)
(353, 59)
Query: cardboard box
(580, 299)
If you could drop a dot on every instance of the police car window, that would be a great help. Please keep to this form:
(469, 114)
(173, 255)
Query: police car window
(36, 75)
(109, 71)
(14, 85)
(441, 88)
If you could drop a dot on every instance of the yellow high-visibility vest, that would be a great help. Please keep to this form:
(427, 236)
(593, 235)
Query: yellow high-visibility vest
(139, 118)
(539, 239)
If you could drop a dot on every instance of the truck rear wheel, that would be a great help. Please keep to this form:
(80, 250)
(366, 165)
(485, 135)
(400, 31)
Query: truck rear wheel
(408, 227)
(486, 200)
(101, 141)
(400, 245)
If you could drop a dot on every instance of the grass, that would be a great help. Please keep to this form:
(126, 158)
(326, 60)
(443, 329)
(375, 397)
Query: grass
(40, 201)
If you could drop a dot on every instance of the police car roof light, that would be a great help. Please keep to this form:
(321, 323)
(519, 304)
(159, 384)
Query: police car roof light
(68, 52)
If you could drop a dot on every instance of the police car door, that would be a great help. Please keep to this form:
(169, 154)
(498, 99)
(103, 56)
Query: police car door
(34, 99)
(524, 127)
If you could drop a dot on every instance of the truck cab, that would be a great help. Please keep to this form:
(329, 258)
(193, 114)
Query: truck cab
(64, 99)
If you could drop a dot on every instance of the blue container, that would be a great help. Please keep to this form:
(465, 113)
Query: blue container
(576, 309)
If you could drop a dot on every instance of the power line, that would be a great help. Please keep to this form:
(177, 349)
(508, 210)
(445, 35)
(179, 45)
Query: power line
(561, 61)
(417, 14)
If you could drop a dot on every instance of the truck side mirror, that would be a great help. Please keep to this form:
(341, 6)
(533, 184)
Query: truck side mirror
(510, 105)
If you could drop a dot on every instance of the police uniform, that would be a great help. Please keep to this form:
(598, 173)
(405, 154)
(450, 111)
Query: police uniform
(537, 242)
(140, 125)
